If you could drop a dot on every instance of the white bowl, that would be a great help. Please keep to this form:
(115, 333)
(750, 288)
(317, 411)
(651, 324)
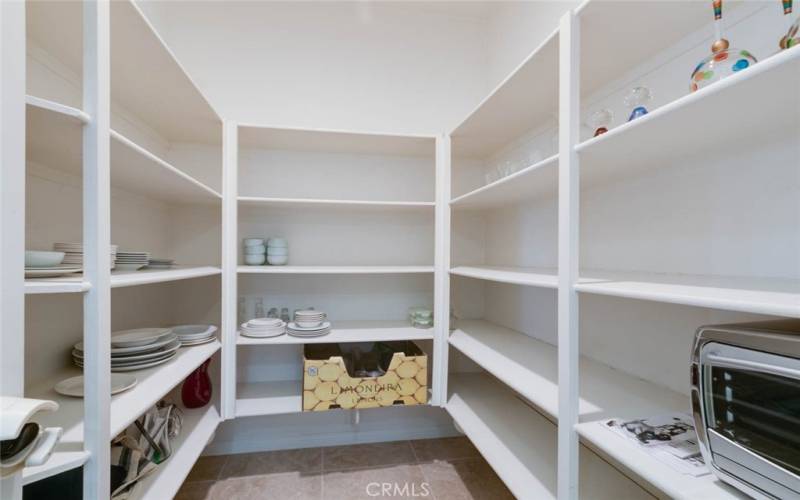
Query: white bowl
(279, 251)
(254, 260)
(278, 260)
(253, 241)
(277, 243)
(37, 258)
(255, 249)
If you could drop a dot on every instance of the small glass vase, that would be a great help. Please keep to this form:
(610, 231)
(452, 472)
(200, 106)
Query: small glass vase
(196, 389)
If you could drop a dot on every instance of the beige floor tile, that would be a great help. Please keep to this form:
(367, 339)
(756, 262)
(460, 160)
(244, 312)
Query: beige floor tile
(367, 455)
(444, 449)
(288, 486)
(196, 490)
(272, 462)
(392, 481)
(207, 468)
(471, 479)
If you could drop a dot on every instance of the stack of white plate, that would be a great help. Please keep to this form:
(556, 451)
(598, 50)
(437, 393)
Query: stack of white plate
(263, 328)
(309, 323)
(195, 334)
(73, 253)
(132, 261)
(156, 263)
(137, 349)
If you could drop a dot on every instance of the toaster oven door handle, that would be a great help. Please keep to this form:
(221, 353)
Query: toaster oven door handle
(773, 369)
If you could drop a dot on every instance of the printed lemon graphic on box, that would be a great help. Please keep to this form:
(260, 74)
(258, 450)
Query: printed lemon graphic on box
(327, 385)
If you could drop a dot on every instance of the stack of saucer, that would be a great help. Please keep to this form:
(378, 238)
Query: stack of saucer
(136, 349)
(309, 323)
(263, 328)
(73, 253)
(132, 261)
(156, 263)
(195, 334)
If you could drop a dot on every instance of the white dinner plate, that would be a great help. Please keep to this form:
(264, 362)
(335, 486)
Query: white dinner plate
(51, 272)
(140, 367)
(201, 331)
(198, 342)
(138, 337)
(116, 351)
(74, 386)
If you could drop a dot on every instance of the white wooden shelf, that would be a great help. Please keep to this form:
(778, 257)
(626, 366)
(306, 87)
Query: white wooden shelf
(197, 430)
(530, 367)
(526, 98)
(56, 107)
(535, 181)
(656, 477)
(65, 284)
(60, 461)
(135, 169)
(518, 442)
(153, 384)
(314, 203)
(335, 269)
(529, 276)
(148, 81)
(119, 279)
(351, 331)
(269, 398)
(748, 107)
(773, 296)
(256, 136)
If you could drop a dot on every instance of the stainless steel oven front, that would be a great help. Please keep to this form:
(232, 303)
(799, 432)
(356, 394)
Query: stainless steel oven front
(746, 405)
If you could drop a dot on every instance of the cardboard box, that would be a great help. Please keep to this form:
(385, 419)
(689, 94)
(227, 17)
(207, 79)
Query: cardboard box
(329, 381)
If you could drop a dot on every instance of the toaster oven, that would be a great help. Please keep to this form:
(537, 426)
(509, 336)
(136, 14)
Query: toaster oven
(746, 405)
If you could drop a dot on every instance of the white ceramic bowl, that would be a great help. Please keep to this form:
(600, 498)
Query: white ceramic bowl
(255, 249)
(36, 258)
(278, 260)
(254, 260)
(277, 242)
(279, 251)
(308, 324)
(253, 241)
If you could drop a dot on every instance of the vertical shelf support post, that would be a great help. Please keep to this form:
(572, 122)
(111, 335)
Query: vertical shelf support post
(568, 256)
(441, 286)
(230, 166)
(96, 246)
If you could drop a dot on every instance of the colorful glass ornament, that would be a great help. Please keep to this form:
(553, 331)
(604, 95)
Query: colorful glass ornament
(723, 61)
(636, 100)
(792, 37)
(196, 389)
(600, 120)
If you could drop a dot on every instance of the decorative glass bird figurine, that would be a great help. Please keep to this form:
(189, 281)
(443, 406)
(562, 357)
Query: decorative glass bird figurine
(792, 37)
(599, 121)
(636, 100)
(723, 61)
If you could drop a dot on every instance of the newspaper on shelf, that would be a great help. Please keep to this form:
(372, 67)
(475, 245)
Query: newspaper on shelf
(670, 439)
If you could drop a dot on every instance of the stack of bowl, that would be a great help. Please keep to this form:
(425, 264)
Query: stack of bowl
(254, 251)
(420, 317)
(277, 251)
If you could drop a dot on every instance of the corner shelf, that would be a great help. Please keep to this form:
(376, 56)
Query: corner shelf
(313, 202)
(56, 107)
(64, 284)
(775, 296)
(153, 384)
(269, 398)
(706, 120)
(60, 461)
(335, 269)
(119, 279)
(135, 169)
(350, 331)
(528, 276)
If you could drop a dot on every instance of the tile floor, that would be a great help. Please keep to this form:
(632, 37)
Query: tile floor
(438, 469)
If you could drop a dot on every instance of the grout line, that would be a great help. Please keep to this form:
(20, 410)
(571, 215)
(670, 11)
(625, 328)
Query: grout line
(414, 451)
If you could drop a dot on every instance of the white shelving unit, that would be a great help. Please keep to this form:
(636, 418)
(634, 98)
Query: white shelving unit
(577, 277)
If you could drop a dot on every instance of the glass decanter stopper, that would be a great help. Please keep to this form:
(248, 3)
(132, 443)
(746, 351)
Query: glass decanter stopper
(791, 38)
(723, 61)
(636, 100)
(600, 120)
